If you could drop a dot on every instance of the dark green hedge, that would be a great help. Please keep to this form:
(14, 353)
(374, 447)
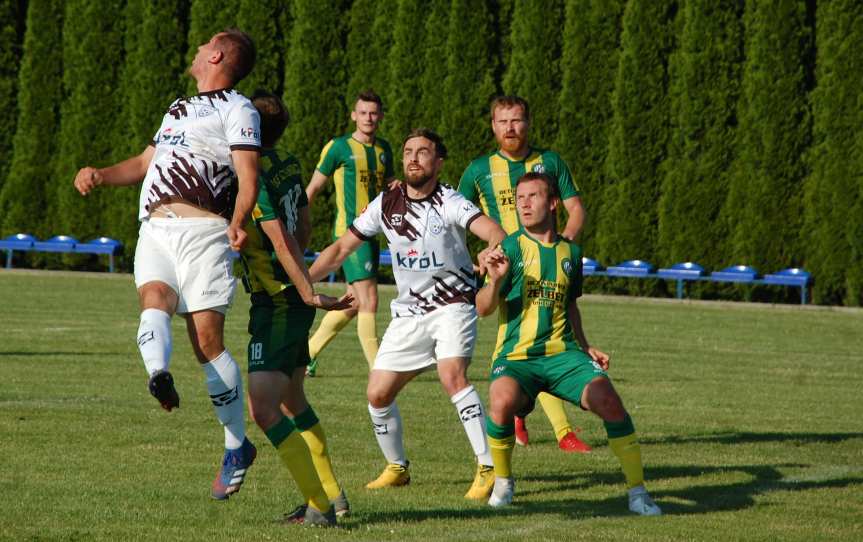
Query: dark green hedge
(723, 131)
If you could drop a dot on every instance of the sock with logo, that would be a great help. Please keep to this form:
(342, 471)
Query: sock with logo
(225, 386)
(154, 340)
(472, 415)
(387, 422)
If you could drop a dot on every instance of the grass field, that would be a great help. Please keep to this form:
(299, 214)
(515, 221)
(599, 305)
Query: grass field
(749, 418)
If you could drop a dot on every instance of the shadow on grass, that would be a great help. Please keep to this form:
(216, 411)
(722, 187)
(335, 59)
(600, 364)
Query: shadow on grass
(748, 437)
(72, 354)
(695, 499)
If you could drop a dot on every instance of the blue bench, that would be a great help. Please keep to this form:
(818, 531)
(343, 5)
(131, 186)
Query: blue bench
(685, 272)
(60, 244)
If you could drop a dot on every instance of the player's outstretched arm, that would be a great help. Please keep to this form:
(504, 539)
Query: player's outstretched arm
(497, 266)
(488, 230)
(332, 257)
(576, 215)
(290, 256)
(246, 166)
(318, 181)
(127, 172)
(598, 356)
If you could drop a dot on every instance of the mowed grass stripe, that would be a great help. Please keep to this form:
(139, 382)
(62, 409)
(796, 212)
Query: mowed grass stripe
(749, 418)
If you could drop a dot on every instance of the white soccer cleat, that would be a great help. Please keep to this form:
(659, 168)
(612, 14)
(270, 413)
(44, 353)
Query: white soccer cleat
(502, 493)
(641, 503)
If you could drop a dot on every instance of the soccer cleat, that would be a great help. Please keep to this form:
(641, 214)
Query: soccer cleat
(341, 505)
(231, 474)
(312, 368)
(162, 388)
(297, 515)
(520, 431)
(641, 503)
(394, 475)
(502, 493)
(483, 483)
(571, 443)
(316, 518)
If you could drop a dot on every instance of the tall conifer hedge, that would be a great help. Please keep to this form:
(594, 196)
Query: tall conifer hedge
(832, 191)
(765, 199)
(705, 86)
(23, 198)
(11, 36)
(591, 39)
(92, 56)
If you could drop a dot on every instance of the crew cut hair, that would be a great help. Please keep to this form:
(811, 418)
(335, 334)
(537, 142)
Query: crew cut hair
(239, 51)
(550, 185)
(370, 95)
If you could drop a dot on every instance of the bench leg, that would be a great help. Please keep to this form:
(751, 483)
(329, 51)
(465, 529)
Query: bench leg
(8, 258)
(110, 263)
(679, 289)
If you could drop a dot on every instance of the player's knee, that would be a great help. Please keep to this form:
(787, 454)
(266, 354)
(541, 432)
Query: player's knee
(264, 416)
(209, 345)
(605, 401)
(379, 397)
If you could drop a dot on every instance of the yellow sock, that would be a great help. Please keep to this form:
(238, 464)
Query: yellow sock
(317, 442)
(368, 333)
(295, 455)
(501, 454)
(329, 327)
(553, 408)
(628, 451)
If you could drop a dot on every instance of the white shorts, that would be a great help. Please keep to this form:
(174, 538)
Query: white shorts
(192, 256)
(417, 342)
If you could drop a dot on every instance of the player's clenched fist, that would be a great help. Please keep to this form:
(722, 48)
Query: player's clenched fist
(87, 179)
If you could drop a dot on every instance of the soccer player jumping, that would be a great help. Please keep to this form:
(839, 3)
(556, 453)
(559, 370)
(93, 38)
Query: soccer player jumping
(199, 172)
(535, 277)
(433, 317)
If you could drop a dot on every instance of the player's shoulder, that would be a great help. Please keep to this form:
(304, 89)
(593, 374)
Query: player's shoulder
(383, 143)
(480, 162)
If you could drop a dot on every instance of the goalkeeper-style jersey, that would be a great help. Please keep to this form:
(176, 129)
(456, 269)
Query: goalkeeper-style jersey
(358, 171)
(543, 280)
(280, 197)
(491, 179)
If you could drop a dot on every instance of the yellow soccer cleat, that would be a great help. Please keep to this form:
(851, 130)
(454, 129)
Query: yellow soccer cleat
(483, 483)
(394, 475)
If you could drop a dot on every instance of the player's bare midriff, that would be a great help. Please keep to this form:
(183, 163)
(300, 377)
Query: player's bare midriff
(178, 208)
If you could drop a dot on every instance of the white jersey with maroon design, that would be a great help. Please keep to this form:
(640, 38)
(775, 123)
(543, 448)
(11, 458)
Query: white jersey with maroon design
(426, 238)
(193, 151)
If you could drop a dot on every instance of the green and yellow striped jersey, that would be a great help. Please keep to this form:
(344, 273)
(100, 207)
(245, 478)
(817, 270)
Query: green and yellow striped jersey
(358, 171)
(492, 178)
(543, 280)
(280, 196)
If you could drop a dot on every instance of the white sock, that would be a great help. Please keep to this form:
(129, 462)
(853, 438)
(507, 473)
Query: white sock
(225, 386)
(387, 423)
(154, 340)
(472, 415)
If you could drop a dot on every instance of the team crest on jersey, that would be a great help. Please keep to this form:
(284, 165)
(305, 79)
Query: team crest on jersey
(396, 220)
(205, 111)
(538, 168)
(435, 224)
(383, 158)
(566, 264)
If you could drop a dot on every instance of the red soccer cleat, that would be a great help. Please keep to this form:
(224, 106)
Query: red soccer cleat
(571, 443)
(521, 432)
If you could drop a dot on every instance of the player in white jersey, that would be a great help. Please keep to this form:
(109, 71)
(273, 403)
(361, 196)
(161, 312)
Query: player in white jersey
(434, 318)
(200, 183)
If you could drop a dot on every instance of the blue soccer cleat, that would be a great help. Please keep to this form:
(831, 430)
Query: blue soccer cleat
(230, 477)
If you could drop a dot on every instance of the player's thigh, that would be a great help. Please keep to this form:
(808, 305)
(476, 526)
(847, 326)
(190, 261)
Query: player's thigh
(362, 263)
(569, 374)
(279, 332)
(385, 385)
(205, 266)
(155, 269)
(453, 328)
(406, 346)
(526, 374)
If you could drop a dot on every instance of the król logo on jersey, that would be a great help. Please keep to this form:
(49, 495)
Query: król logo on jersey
(435, 224)
(249, 132)
(538, 168)
(414, 262)
(566, 265)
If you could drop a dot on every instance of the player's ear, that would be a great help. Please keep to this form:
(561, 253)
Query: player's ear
(216, 56)
(354, 115)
